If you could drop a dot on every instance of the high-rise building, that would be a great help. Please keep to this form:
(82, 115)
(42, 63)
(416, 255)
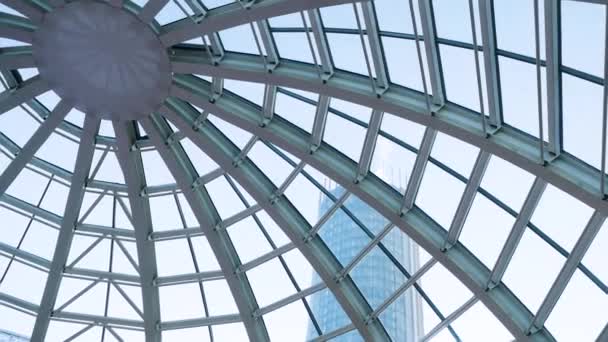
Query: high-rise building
(375, 278)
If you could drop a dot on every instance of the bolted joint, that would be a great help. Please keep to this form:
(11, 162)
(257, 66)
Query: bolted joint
(369, 319)
(239, 270)
(197, 183)
(340, 277)
(171, 139)
(308, 238)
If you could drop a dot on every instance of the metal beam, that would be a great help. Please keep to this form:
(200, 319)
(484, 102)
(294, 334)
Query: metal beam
(151, 9)
(290, 299)
(318, 127)
(272, 55)
(29, 89)
(554, 74)
(17, 57)
(31, 147)
(411, 281)
(369, 144)
(31, 308)
(235, 14)
(521, 222)
(316, 25)
(569, 174)
(16, 28)
(28, 8)
(433, 59)
(204, 210)
(422, 158)
(421, 228)
(84, 159)
(199, 322)
(217, 146)
(189, 278)
(470, 191)
(603, 335)
(563, 278)
(270, 99)
(375, 45)
(490, 59)
(130, 161)
(450, 319)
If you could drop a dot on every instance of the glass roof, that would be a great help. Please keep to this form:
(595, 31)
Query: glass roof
(317, 170)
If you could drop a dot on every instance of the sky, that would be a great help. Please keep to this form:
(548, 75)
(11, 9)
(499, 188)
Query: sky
(579, 315)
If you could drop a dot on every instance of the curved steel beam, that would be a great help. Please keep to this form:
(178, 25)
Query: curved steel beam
(235, 14)
(30, 9)
(17, 57)
(131, 164)
(210, 140)
(17, 28)
(39, 137)
(73, 205)
(376, 193)
(565, 172)
(24, 92)
(206, 214)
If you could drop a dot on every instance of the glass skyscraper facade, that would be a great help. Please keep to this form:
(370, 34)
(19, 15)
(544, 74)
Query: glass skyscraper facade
(375, 278)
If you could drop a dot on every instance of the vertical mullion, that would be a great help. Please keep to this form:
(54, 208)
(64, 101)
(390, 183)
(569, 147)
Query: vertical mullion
(432, 51)
(554, 79)
(318, 128)
(490, 58)
(272, 56)
(375, 44)
(268, 107)
(369, 145)
(316, 24)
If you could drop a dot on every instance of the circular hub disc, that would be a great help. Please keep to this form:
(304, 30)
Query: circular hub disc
(103, 59)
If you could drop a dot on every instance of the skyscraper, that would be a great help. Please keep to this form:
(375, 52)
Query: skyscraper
(375, 276)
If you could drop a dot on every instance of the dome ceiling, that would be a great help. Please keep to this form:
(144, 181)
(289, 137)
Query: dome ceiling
(171, 170)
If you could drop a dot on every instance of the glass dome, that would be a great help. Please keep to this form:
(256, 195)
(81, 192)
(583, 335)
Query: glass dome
(290, 170)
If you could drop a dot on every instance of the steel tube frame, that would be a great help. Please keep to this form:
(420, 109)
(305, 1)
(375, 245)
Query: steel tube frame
(554, 75)
(569, 174)
(41, 134)
(504, 304)
(207, 216)
(26, 7)
(490, 58)
(84, 159)
(216, 145)
(17, 28)
(130, 160)
(235, 14)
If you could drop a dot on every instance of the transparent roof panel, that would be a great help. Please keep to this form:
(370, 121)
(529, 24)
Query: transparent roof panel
(317, 170)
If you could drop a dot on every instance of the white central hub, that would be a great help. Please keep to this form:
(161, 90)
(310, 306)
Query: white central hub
(103, 59)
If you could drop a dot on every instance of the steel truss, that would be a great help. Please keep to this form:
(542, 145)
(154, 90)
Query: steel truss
(559, 169)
